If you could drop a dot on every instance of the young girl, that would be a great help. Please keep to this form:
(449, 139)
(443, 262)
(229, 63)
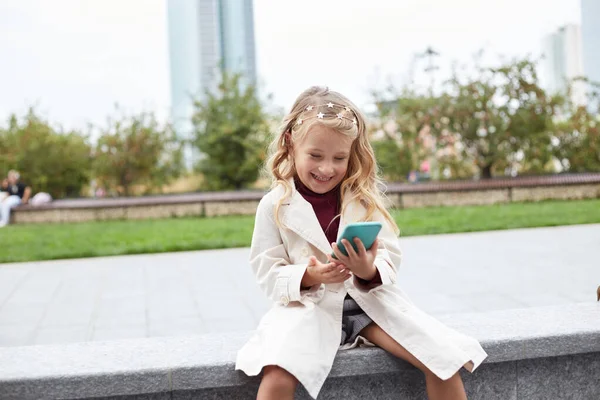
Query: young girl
(324, 177)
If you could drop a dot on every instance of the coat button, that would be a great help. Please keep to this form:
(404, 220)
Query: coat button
(305, 251)
(285, 300)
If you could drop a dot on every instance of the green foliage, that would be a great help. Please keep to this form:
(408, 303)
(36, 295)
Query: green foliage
(49, 160)
(137, 150)
(394, 159)
(499, 120)
(402, 123)
(413, 131)
(503, 118)
(578, 135)
(231, 132)
(580, 142)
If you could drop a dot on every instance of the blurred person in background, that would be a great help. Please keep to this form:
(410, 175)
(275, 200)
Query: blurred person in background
(3, 189)
(18, 193)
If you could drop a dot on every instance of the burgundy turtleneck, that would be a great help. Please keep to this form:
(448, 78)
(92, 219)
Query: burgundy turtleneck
(326, 207)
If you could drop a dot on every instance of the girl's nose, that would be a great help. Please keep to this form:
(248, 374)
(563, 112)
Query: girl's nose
(326, 169)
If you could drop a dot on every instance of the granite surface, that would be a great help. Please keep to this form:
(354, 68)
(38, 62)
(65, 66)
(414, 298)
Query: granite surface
(526, 342)
(573, 377)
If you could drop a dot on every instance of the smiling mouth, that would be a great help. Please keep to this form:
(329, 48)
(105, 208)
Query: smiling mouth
(320, 178)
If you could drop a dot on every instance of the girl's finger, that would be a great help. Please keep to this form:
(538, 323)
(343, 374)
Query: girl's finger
(332, 271)
(333, 260)
(340, 271)
(360, 246)
(374, 246)
(349, 249)
(338, 276)
(345, 277)
(341, 258)
(337, 262)
(332, 267)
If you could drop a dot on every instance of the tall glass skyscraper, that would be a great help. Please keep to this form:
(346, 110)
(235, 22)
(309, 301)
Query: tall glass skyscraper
(204, 34)
(563, 62)
(590, 37)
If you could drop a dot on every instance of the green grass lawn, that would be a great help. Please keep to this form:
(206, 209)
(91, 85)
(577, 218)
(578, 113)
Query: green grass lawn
(55, 241)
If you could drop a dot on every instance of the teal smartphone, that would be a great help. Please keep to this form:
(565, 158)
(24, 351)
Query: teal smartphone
(366, 231)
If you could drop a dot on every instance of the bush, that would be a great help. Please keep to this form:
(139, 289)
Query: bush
(49, 160)
(231, 132)
(137, 150)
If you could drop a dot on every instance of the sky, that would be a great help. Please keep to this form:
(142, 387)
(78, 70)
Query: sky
(74, 60)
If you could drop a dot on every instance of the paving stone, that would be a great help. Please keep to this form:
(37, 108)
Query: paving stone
(443, 274)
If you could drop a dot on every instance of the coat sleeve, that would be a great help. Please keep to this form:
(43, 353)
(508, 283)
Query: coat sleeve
(278, 278)
(387, 260)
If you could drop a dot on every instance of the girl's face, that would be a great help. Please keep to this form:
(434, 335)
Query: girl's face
(321, 159)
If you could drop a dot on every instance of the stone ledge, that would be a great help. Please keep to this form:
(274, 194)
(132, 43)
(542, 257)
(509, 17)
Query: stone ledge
(401, 195)
(155, 367)
(256, 195)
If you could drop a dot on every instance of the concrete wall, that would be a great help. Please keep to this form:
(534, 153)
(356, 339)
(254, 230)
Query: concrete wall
(472, 197)
(150, 211)
(535, 353)
(570, 192)
(247, 206)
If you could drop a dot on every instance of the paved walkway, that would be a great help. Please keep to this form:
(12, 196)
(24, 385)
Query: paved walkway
(214, 291)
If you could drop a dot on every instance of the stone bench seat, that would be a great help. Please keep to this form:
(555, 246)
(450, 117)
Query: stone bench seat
(534, 353)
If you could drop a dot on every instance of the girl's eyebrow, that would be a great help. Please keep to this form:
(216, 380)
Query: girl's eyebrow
(339, 153)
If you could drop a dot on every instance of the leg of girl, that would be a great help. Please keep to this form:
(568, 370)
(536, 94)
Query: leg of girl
(276, 384)
(437, 389)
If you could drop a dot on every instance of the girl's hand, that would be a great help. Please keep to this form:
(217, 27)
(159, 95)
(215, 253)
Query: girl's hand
(317, 273)
(361, 263)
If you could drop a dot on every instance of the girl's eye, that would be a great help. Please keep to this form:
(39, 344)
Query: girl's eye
(340, 158)
(315, 156)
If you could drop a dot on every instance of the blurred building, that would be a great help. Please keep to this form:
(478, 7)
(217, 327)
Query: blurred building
(590, 35)
(204, 34)
(563, 61)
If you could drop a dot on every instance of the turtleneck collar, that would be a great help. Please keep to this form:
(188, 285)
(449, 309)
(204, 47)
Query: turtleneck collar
(326, 207)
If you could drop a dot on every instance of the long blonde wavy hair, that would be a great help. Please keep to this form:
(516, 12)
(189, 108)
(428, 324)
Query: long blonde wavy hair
(361, 183)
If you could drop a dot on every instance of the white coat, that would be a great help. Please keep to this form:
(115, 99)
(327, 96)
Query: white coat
(301, 333)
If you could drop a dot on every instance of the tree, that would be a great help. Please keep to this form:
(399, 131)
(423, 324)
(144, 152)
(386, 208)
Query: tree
(412, 128)
(503, 118)
(48, 159)
(406, 126)
(578, 133)
(231, 132)
(499, 121)
(137, 150)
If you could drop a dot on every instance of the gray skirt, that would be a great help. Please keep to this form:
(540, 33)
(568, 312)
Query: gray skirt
(354, 320)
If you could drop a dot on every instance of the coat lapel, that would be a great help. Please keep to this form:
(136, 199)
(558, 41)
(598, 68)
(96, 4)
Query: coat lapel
(300, 217)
